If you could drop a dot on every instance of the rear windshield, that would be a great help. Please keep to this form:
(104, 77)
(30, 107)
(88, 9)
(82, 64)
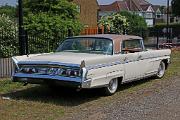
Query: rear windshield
(87, 45)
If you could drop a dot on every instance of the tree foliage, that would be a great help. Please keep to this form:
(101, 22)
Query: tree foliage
(116, 23)
(51, 16)
(50, 21)
(137, 24)
(176, 7)
(120, 24)
(125, 22)
(8, 10)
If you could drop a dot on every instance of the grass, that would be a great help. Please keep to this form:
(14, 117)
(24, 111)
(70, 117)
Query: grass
(38, 102)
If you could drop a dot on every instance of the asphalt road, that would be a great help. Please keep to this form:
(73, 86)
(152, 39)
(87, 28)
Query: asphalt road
(159, 102)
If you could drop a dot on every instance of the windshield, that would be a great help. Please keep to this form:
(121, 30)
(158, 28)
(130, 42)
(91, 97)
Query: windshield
(87, 45)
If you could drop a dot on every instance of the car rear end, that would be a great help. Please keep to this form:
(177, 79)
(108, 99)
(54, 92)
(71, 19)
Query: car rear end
(64, 75)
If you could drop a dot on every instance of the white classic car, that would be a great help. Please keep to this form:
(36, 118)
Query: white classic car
(93, 61)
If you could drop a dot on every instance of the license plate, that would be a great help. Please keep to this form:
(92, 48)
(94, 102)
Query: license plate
(23, 79)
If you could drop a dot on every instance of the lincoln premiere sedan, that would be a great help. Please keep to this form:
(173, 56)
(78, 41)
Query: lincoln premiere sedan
(93, 61)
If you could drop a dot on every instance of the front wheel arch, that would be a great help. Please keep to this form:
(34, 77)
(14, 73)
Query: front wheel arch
(166, 63)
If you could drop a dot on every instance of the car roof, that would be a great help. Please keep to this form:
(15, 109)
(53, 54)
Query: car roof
(117, 39)
(113, 36)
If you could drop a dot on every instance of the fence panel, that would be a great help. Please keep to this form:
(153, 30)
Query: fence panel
(6, 67)
(44, 43)
(90, 31)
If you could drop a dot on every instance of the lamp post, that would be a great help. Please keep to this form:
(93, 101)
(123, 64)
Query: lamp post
(167, 32)
(22, 40)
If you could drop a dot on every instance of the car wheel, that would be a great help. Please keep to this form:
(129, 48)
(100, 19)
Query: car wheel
(161, 70)
(112, 87)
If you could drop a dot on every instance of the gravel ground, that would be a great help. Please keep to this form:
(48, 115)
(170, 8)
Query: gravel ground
(158, 102)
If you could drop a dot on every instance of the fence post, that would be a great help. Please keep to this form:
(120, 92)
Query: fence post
(22, 44)
(27, 44)
(70, 33)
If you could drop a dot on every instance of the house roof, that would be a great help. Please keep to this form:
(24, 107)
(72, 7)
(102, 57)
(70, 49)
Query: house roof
(163, 9)
(143, 2)
(115, 6)
(130, 5)
(133, 5)
(112, 7)
(144, 7)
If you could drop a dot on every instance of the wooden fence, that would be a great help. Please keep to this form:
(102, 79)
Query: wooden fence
(6, 67)
(92, 31)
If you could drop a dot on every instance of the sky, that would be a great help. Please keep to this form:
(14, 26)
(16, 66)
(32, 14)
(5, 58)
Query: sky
(155, 2)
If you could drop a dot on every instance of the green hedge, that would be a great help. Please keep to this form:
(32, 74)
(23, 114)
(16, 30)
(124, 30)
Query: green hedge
(164, 25)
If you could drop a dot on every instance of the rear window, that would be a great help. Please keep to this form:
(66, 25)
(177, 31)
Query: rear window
(87, 45)
(131, 46)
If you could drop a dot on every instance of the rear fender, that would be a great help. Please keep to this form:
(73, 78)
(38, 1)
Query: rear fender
(17, 59)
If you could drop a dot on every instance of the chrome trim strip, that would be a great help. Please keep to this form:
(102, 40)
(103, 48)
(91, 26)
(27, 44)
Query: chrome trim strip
(84, 74)
(103, 65)
(15, 62)
(47, 63)
(60, 78)
(118, 62)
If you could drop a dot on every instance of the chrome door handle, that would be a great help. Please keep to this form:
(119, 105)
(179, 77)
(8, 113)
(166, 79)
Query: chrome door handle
(140, 57)
(125, 59)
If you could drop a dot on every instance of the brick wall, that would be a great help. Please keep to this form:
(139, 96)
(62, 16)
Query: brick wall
(88, 12)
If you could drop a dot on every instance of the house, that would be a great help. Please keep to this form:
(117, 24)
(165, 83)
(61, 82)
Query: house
(140, 7)
(172, 18)
(159, 13)
(88, 10)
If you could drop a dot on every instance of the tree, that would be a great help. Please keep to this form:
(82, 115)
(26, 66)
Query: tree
(51, 15)
(175, 7)
(106, 22)
(115, 23)
(8, 10)
(55, 18)
(119, 23)
(125, 22)
(137, 24)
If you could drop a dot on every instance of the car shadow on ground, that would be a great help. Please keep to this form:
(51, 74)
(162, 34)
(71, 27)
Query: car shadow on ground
(62, 96)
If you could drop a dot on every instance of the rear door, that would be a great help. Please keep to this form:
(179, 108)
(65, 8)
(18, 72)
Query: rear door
(133, 65)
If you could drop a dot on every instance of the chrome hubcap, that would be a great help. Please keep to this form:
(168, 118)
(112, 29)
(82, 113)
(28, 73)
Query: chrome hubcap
(113, 85)
(161, 70)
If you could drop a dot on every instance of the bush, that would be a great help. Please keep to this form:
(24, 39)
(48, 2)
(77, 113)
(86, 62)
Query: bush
(8, 36)
(164, 25)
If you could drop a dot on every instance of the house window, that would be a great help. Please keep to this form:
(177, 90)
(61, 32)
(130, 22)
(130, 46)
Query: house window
(149, 15)
(158, 16)
(78, 7)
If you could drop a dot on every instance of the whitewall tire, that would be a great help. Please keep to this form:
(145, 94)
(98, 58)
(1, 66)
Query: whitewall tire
(112, 87)
(161, 70)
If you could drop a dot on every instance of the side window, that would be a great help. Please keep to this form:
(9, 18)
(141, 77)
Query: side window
(132, 46)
